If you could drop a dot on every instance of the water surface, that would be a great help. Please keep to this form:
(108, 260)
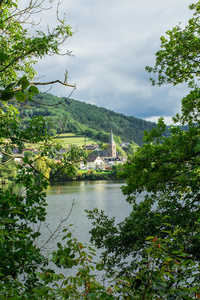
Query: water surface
(104, 195)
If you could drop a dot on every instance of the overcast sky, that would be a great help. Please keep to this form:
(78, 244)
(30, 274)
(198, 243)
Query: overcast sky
(113, 42)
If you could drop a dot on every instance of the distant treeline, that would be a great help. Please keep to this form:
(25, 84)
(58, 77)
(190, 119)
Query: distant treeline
(68, 115)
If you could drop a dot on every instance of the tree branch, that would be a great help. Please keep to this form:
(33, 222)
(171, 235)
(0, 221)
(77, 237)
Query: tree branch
(52, 82)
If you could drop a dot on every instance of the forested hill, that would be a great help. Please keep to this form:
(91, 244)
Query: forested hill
(70, 115)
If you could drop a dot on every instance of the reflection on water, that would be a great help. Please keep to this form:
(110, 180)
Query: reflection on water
(104, 195)
(13, 187)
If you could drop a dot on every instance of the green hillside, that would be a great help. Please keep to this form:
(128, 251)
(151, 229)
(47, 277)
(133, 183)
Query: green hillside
(74, 116)
(74, 139)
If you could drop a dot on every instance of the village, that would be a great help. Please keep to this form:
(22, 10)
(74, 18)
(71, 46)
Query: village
(97, 159)
(103, 159)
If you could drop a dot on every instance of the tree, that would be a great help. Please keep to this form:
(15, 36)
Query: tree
(166, 168)
(22, 262)
(19, 48)
(130, 148)
(178, 59)
(8, 169)
(42, 166)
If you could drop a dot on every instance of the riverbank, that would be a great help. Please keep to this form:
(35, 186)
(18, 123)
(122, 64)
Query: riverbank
(82, 175)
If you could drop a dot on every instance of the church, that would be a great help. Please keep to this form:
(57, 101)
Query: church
(112, 152)
(105, 159)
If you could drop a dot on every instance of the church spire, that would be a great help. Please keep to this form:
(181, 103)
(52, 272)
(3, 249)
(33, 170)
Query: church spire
(111, 138)
(111, 146)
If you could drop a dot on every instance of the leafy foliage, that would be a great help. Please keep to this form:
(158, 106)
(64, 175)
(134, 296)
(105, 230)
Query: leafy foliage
(22, 212)
(178, 59)
(166, 171)
(19, 48)
(161, 235)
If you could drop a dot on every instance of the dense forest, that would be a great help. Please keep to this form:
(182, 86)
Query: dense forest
(68, 115)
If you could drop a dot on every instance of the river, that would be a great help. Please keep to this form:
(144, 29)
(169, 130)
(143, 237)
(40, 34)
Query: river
(104, 195)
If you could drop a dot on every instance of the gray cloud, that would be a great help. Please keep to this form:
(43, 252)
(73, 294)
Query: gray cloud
(114, 42)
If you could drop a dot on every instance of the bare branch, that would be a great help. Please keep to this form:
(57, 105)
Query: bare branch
(58, 227)
(52, 82)
(7, 154)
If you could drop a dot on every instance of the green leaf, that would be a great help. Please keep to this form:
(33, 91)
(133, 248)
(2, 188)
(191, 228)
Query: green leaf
(20, 96)
(99, 267)
(25, 159)
(5, 96)
(33, 89)
(3, 56)
(9, 88)
(24, 82)
(150, 238)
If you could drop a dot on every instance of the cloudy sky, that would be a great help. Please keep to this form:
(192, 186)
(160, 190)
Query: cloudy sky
(113, 42)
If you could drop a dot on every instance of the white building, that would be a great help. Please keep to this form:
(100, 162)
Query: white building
(95, 162)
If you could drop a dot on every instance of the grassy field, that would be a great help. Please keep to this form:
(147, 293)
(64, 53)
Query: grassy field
(73, 139)
(67, 139)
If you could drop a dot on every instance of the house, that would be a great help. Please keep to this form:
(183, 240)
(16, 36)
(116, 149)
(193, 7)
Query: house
(82, 165)
(123, 145)
(110, 161)
(102, 153)
(95, 162)
(92, 147)
(18, 158)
